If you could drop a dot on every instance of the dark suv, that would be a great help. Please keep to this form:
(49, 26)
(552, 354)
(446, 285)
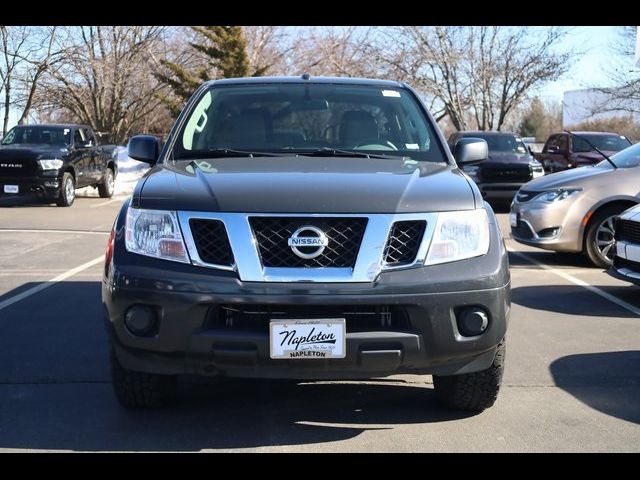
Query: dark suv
(509, 166)
(306, 228)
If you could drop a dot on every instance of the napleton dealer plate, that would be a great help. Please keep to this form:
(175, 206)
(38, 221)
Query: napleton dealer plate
(303, 339)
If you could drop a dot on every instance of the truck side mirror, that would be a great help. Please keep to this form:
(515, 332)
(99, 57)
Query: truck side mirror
(471, 150)
(553, 149)
(85, 144)
(144, 148)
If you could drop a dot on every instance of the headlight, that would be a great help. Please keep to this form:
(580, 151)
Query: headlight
(537, 170)
(556, 195)
(155, 233)
(53, 164)
(459, 235)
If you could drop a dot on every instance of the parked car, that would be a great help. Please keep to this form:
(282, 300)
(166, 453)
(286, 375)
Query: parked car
(509, 166)
(306, 228)
(626, 262)
(49, 162)
(574, 210)
(562, 150)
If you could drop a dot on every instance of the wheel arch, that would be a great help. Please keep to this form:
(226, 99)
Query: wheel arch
(622, 200)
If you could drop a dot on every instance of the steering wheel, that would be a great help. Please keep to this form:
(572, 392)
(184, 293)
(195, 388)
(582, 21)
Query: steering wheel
(376, 146)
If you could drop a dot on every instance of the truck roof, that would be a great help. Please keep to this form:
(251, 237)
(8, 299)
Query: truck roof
(58, 125)
(588, 132)
(310, 79)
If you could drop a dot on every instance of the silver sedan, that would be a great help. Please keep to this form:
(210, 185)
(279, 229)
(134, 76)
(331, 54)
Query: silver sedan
(574, 210)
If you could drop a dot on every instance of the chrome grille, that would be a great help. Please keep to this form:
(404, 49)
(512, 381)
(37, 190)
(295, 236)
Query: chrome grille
(344, 235)
(404, 241)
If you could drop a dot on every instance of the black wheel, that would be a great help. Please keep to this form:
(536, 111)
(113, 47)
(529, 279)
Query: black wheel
(67, 191)
(141, 390)
(600, 246)
(107, 185)
(472, 391)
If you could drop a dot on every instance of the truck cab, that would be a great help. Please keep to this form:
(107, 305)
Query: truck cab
(562, 150)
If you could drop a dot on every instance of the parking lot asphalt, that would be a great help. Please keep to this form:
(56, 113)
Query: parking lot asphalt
(572, 379)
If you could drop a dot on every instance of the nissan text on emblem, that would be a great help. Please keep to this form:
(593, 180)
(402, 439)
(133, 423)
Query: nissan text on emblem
(308, 238)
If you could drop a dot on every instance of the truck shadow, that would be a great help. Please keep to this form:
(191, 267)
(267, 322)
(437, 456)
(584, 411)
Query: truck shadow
(606, 381)
(551, 259)
(571, 300)
(55, 393)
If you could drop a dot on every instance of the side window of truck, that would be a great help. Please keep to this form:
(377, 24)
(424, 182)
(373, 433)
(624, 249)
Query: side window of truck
(77, 138)
(88, 135)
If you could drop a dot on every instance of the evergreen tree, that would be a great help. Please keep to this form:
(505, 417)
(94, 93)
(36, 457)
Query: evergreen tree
(224, 51)
(533, 120)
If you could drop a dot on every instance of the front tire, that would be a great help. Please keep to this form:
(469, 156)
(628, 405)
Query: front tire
(599, 241)
(136, 390)
(475, 391)
(67, 191)
(107, 184)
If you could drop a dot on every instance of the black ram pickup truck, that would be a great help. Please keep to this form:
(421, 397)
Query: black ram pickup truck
(306, 228)
(48, 162)
(509, 166)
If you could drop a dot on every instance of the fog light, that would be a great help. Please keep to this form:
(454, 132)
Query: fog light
(51, 183)
(141, 320)
(472, 321)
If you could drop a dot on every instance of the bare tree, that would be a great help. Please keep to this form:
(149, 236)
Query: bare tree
(106, 80)
(478, 75)
(624, 94)
(334, 51)
(268, 48)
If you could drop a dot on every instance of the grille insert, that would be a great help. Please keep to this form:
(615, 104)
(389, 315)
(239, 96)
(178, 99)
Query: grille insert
(627, 231)
(211, 241)
(404, 242)
(344, 235)
(358, 318)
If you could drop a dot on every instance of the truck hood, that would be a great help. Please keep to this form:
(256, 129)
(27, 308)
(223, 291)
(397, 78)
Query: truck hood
(591, 157)
(508, 158)
(306, 185)
(29, 151)
(574, 177)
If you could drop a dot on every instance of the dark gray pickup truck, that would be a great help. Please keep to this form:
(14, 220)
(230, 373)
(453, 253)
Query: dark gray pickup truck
(48, 162)
(306, 228)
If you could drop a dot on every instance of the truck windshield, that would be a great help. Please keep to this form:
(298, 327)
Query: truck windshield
(308, 118)
(38, 134)
(610, 143)
(502, 142)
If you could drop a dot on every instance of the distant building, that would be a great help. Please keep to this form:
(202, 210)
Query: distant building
(579, 106)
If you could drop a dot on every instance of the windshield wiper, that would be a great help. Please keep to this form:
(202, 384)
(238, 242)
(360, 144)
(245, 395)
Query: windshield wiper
(223, 152)
(594, 147)
(334, 152)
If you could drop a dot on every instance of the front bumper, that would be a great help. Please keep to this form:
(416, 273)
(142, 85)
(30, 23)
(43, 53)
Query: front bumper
(626, 263)
(551, 226)
(37, 187)
(187, 342)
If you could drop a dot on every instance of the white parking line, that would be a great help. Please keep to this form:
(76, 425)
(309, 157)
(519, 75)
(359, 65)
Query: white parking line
(38, 288)
(580, 283)
(107, 202)
(32, 230)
